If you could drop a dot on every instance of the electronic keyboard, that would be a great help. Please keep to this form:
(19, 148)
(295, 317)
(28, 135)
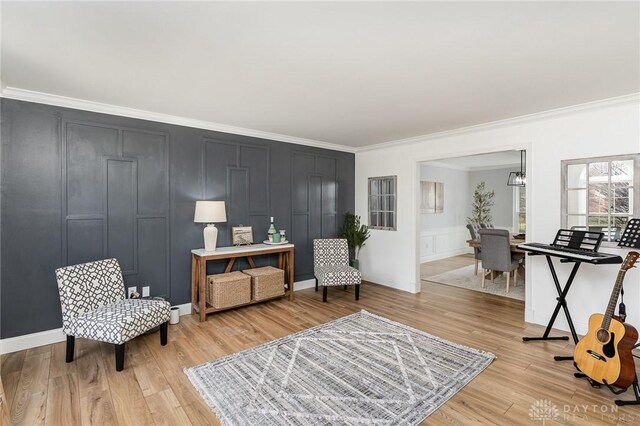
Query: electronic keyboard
(571, 253)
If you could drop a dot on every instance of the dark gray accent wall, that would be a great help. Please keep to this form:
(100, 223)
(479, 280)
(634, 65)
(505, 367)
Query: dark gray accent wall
(78, 186)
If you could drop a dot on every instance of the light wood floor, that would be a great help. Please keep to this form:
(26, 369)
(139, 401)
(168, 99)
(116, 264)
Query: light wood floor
(42, 389)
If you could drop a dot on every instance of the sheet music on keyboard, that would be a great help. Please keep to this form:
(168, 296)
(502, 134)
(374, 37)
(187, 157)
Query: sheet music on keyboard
(574, 245)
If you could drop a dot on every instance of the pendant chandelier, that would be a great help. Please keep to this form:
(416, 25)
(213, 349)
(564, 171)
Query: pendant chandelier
(519, 178)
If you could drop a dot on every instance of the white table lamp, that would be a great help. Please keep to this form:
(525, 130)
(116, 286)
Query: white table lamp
(210, 212)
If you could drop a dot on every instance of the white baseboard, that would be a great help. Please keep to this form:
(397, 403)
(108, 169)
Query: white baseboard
(303, 285)
(48, 337)
(185, 309)
(33, 340)
(440, 256)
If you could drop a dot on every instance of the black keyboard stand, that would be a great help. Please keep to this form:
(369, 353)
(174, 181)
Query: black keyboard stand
(562, 303)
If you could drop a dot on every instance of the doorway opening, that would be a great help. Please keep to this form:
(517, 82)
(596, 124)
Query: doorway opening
(461, 196)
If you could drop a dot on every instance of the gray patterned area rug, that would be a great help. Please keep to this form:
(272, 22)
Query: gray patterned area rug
(359, 369)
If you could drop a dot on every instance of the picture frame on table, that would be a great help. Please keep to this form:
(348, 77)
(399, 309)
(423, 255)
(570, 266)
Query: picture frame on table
(241, 235)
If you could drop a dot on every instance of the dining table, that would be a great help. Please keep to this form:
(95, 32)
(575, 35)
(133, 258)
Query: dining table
(513, 243)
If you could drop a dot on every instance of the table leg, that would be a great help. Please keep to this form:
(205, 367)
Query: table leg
(280, 261)
(202, 290)
(230, 265)
(251, 262)
(290, 263)
(194, 282)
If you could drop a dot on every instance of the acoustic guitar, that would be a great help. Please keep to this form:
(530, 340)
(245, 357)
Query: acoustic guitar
(604, 353)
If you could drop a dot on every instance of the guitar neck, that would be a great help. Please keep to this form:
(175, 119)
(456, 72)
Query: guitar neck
(611, 307)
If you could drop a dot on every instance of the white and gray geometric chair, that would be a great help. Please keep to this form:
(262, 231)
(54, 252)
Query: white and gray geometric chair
(331, 265)
(92, 297)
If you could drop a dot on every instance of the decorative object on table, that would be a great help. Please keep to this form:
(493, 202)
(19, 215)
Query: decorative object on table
(356, 235)
(228, 289)
(92, 297)
(275, 237)
(519, 178)
(331, 265)
(210, 212)
(465, 278)
(481, 206)
(432, 197)
(175, 315)
(272, 243)
(631, 235)
(358, 369)
(241, 235)
(283, 235)
(271, 230)
(266, 282)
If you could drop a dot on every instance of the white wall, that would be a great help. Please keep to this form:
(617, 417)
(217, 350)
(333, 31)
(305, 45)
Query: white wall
(496, 180)
(605, 128)
(444, 234)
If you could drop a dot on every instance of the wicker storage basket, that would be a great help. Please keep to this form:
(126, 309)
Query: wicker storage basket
(266, 282)
(230, 289)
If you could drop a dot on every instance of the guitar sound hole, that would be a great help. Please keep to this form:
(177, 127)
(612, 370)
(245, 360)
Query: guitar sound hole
(609, 350)
(602, 335)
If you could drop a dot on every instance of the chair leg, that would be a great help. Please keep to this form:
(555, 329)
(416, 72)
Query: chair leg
(316, 285)
(71, 340)
(484, 276)
(164, 327)
(119, 357)
(324, 293)
(492, 276)
(357, 291)
(476, 270)
(508, 278)
(515, 277)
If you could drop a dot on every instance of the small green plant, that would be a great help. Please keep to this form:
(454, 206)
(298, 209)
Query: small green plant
(355, 233)
(481, 206)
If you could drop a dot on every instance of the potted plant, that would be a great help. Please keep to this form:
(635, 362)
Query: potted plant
(481, 206)
(355, 234)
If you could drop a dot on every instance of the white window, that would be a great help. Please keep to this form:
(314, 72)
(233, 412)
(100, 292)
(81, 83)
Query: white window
(382, 202)
(520, 209)
(600, 194)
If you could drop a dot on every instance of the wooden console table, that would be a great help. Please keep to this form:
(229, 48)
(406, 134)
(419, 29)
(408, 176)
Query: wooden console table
(199, 259)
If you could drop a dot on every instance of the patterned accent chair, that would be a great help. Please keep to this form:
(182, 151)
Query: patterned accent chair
(92, 296)
(331, 266)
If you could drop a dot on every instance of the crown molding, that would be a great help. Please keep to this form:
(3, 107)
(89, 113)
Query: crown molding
(74, 103)
(618, 100)
(444, 165)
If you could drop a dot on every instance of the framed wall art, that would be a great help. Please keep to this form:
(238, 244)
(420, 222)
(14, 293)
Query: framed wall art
(241, 235)
(432, 197)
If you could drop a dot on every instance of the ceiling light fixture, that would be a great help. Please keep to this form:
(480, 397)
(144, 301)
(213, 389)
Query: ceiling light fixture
(519, 178)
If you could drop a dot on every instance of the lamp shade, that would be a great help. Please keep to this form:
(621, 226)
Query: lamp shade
(210, 212)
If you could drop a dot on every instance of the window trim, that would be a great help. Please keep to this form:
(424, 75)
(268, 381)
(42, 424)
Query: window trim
(394, 211)
(564, 201)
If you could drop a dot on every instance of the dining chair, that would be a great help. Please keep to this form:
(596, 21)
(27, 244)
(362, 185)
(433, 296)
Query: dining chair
(92, 297)
(497, 256)
(477, 251)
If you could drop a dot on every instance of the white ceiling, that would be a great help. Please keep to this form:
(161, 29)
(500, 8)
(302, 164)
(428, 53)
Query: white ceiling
(353, 74)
